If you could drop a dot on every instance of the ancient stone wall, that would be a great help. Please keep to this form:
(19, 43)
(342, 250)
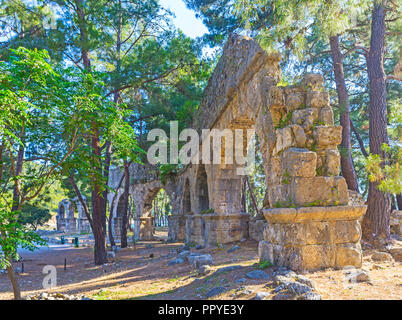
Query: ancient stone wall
(66, 220)
(308, 223)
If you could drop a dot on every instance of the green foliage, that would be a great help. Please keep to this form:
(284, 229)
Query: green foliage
(264, 264)
(387, 175)
(285, 120)
(210, 210)
(14, 235)
(33, 216)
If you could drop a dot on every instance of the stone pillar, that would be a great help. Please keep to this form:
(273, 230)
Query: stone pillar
(211, 229)
(313, 238)
(116, 228)
(71, 224)
(83, 225)
(176, 227)
(144, 228)
(61, 224)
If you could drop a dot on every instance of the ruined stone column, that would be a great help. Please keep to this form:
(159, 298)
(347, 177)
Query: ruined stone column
(310, 226)
(177, 227)
(313, 238)
(144, 228)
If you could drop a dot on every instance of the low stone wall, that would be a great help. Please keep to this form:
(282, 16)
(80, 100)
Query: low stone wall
(313, 238)
(210, 229)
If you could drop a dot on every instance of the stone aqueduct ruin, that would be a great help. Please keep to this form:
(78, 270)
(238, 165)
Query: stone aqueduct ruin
(308, 224)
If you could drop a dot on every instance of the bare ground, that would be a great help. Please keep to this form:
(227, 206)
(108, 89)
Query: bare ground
(143, 273)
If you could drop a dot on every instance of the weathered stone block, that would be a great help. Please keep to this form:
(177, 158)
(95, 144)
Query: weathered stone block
(326, 116)
(325, 191)
(273, 233)
(256, 229)
(349, 254)
(293, 234)
(313, 81)
(326, 136)
(317, 99)
(344, 231)
(297, 162)
(265, 251)
(332, 162)
(305, 117)
(294, 99)
(318, 232)
(299, 136)
(317, 257)
(277, 97)
(284, 139)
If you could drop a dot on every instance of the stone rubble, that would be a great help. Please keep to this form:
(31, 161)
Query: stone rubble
(56, 296)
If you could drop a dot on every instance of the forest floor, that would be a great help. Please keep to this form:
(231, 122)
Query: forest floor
(143, 273)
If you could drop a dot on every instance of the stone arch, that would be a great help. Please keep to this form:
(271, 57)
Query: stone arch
(66, 221)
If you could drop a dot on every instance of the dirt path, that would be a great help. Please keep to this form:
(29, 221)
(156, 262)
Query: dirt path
(143, 273)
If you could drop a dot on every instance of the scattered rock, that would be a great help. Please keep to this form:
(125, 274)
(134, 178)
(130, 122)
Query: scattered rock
(192, 256)
(55, 296)
(293, 286)
(202, 260)
(396, 253)
(309, 296)
(305, 280)
(261, 295)
(183, 254)
(233, 249)
(215, 291)
(242, 291)
(257, 274)
(199, 247)
(283, 296)
(116, 249)
(175, 261)
(241, 280)
(204, 270)
(358, 276)
(381, 256)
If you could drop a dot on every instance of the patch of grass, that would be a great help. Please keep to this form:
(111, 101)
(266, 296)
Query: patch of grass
(264, 264)
(284, 121)
(207, 211)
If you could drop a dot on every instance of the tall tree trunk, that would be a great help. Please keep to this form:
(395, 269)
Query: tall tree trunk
(14, 281)
(124, 222)
(376, 221)
(15, 206)
(98, 214)
(98, 199)
(348, 170)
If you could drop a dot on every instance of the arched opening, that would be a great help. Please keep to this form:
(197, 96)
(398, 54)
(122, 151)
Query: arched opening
(161, 209)
(186, 198)
(62, 211)
(254, 185)
(202, 190)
